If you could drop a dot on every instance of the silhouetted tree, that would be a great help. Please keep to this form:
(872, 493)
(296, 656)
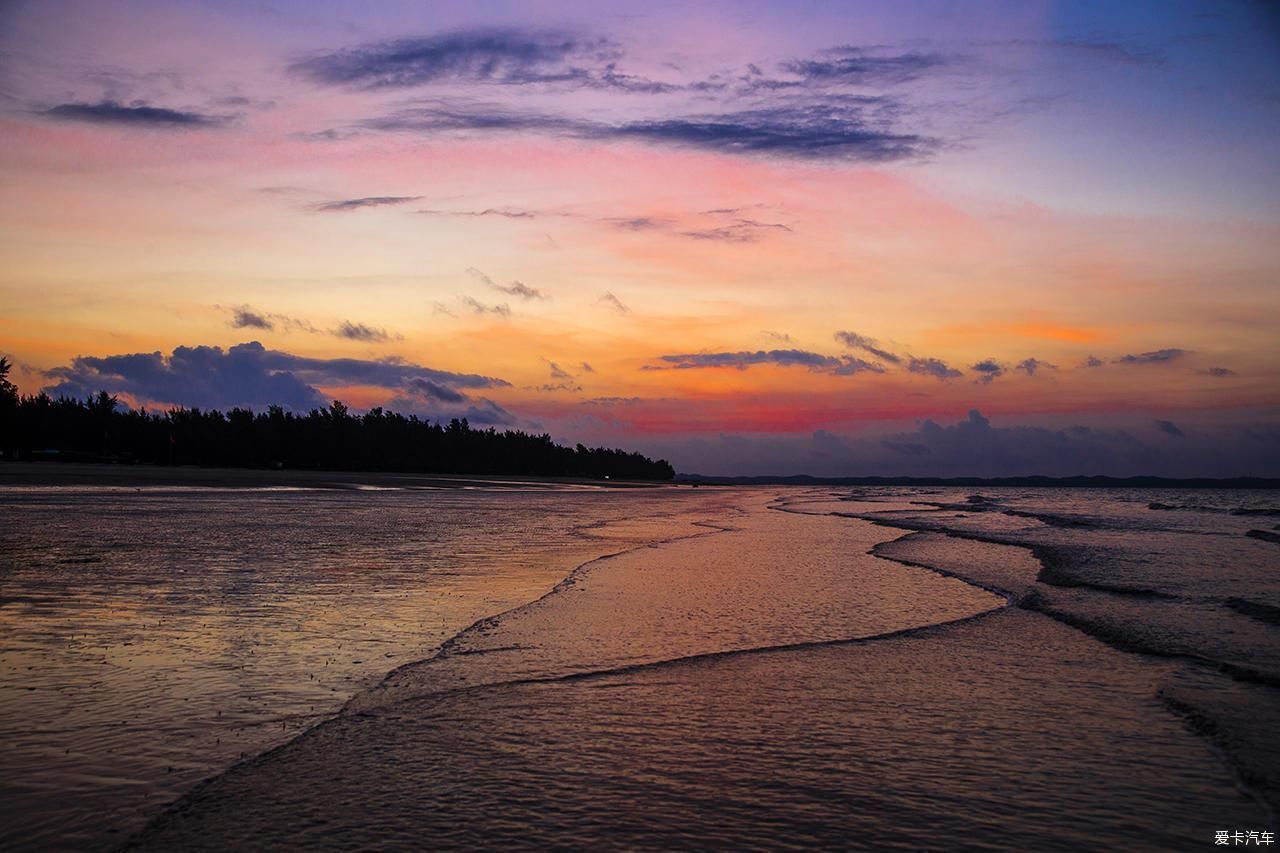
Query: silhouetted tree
(330, 438)
(8, 391)
(8, 407)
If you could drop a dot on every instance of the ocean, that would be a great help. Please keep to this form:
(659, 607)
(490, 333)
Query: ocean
(885, 668)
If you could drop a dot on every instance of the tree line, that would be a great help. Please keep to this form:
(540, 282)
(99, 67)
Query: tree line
(100, 429)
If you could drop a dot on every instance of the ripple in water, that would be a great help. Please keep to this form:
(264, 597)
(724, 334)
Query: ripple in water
(772, 684)
(151, 638)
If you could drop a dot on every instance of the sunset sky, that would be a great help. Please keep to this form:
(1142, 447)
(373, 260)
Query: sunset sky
(828, 238)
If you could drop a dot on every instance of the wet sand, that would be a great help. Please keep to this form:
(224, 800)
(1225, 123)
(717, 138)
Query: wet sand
(39, 474)
(151, 637)
(771, 683)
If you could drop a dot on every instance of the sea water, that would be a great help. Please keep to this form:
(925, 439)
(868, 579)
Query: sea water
(888, 668)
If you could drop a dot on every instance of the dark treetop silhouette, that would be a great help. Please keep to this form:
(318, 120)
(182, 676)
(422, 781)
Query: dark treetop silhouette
(99, 429)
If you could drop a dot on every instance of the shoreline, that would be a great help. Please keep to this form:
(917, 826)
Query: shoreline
(107, 475)
(47, 473)
(1021, 482)
(349, 706)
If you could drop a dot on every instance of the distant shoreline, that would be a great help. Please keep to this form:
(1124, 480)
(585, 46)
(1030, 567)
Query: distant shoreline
(994, 482)
(136, 476)
(132, 476)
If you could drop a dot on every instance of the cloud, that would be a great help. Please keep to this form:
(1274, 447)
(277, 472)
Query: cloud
(853, 340)
(1170, 428)
(838, 365)
(432, 390)
(557, 372)
(611, 78)
(612, 401)
(567, 60)
(484, 412)
(932, 367)
(551, 388)
(822, 131)
(247, 374)
(782, 337)
(248, 317)
(825, 106)
(1031, 365)
(707, 226)
(445, 116)
(1092, 361)
(361, 332)
(331, 134)
(1156, 357)
(586, 368)
(614, 302)
(988, 370)
(738, 231)
(350, 204)
(136, 114)
(478, 307)
(1221, 372)
(245, 318)
(504, 57)
(860, 66)
(973, 446)
(516, 288)
(637, 223)
(499, 56)
(490, 413)
(439, 402)
(505, 213)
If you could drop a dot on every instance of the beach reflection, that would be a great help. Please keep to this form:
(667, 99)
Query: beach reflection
(151, 638)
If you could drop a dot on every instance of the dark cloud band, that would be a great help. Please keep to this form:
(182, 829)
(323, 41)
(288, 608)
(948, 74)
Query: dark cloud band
(350, 204)
(137, 114)
(1160, 356)
(853, 340)
(838, 365)
(509, 56)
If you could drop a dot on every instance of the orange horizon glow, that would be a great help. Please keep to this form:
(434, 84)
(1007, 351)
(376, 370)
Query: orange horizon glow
(983, 269)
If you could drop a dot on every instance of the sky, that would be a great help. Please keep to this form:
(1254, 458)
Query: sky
(888, 238)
